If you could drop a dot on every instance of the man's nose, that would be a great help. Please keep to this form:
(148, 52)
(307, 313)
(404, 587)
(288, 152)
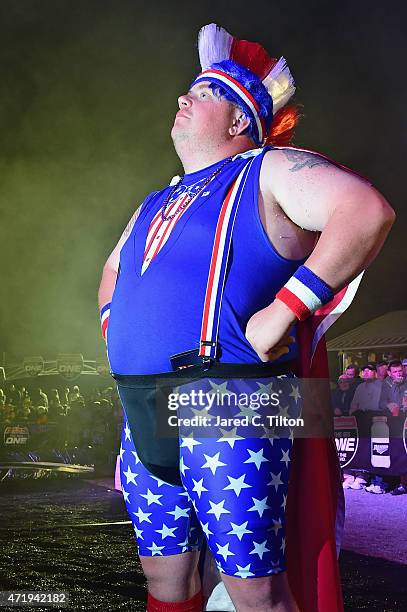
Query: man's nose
(184, 101)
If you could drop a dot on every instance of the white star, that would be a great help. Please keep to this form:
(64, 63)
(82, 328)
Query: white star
(283, 505)
(217, 509)
(243, 572)
(182, 466)
(275, 480)
(189, 442)
(178, 512)
(166, 532)
(257, 458)
(229, 436)
(260, 505)
(151, 498)
(285, 457)
(127, 432)
(121, 452)
(156, 550)
(130, 476)
(282, 547)
(142, 516)
(237, 484)
(219, 390)
(160, 482)
(206, 529)
(212, 462)
(184, 544)
(284, 411)
(246, 411)
(139, 533)
(198, 487)
(295, 393)
(136, 457)
(259, 549)
(125, 495)
(239, 530)
(224, 551)
(275, 569)
(267, 389)
(276, 526)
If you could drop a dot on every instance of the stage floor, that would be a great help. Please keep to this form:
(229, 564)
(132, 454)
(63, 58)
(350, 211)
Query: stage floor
(72, 535)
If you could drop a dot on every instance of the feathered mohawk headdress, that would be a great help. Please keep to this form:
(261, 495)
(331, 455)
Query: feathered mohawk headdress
(259, 84)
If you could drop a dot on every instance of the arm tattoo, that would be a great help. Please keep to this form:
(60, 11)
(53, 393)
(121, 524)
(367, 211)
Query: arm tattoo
(302, 159)
(130, 224)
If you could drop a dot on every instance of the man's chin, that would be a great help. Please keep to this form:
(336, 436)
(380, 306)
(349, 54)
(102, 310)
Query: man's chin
(178, 135)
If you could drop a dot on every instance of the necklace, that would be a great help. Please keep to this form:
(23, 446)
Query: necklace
(188, 199)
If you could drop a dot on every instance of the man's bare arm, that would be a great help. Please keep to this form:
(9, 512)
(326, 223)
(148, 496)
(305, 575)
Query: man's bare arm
(111, 267)
(353, 218)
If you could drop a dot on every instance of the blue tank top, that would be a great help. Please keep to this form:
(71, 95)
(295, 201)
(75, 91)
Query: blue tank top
(159, 313)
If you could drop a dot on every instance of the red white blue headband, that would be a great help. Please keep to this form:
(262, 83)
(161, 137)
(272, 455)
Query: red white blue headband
(261, 76)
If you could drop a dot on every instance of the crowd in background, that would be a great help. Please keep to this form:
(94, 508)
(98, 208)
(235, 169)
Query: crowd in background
(73, 418)
(378, 387)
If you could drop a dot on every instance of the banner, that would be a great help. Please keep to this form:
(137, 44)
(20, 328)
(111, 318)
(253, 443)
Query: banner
(70, 366)
(33, 365)
(372, 441)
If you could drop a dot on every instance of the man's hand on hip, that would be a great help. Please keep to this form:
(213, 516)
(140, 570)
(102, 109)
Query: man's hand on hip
(267, 331)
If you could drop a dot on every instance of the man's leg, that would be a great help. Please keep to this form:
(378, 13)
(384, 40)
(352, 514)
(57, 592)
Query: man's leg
(239, 491)
(270, 593)
(167, 532)
(172, 578)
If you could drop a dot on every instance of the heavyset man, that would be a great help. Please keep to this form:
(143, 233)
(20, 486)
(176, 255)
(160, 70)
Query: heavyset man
(155, 285)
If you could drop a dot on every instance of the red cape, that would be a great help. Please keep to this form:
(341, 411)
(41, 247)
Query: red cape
(315, 496)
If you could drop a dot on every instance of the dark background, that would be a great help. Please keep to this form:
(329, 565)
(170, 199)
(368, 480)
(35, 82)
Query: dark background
(88, 95)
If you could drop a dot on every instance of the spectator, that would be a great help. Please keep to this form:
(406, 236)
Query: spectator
(394, 399)
(404, 364)
(352, 371)
(381, 370)
(55, 406)
(367, 393)
(39, 398)
(393, 389)
(76, 397)
(342, 396)
(13, 396)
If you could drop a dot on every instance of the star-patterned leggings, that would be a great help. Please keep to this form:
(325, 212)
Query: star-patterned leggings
(234, 493)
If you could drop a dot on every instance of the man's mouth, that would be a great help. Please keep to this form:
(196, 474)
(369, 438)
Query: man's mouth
(181, 114)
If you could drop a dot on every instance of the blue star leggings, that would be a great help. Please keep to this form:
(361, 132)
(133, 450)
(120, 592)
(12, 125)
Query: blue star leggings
(234, 494)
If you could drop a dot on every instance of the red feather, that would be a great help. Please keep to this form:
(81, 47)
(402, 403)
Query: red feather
(252, 56)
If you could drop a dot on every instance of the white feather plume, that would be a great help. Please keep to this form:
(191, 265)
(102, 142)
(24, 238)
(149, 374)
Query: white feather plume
(280, 84)
(214, 45)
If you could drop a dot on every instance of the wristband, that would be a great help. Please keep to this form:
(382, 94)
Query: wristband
(104, 319)
(305, 293)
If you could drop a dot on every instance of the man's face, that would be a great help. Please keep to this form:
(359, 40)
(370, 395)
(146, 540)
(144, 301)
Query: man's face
(202, 115)
(350, 372)
(382, 371)
(343, 383)
(396, 373)
(368, 374)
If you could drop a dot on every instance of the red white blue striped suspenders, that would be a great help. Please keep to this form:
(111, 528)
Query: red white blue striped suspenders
(217, 269)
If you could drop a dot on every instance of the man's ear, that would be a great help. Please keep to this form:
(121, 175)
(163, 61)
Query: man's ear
(239, 123)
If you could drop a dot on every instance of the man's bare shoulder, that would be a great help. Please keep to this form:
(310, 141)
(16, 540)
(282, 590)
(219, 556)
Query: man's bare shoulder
(307, 185)
(297, 162)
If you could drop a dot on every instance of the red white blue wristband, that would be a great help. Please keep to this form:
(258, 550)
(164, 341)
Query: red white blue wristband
(305, 293)
(104, 319)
